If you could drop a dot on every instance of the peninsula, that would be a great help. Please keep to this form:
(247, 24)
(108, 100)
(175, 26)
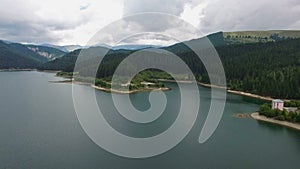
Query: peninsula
(281, 113)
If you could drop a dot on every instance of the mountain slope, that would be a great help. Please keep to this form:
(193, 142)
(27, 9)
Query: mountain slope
(269, 68)
(66, 48)
(47, 52)
(260, 36)
(65, 63)
(24, 51)
(15, 55)
(12, 60)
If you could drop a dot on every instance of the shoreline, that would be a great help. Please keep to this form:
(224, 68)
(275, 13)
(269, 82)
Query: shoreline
(111, 90)
(129, 91)
(17, 70)
(48, 71)
(258, 117)
(241, 93)
(266, 98)
(166, 89)
(189, 82)
(28, 70)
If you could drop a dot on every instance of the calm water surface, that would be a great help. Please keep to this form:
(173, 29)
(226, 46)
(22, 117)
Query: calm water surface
(39, 130)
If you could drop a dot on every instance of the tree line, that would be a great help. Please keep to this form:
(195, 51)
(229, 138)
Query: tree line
(277, 114)
(269, 69)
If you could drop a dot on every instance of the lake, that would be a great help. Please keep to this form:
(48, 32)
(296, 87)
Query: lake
(39, 130)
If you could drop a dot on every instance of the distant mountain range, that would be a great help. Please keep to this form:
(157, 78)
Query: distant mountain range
(67, 48)
(262, 62)
(70, 48)
(28, 56)
(15, 55)
(134, 47)
(20, 56)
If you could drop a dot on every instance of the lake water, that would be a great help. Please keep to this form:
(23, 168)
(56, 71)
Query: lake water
(39, 129)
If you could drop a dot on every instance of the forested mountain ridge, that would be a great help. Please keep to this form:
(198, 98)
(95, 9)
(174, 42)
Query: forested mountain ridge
(266, 68)
(48, 52)
(260, 36)
(20, 56)
(269, 68)
(65, 63)
(9, 59)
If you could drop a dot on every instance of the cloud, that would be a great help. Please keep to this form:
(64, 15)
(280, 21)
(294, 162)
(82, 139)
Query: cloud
(146, 28)
(225, 15)
(55, 21)
(238, 15)
(84, 6)
(148, 39)
(174, 7)
(161, 18)
(24, 32)
(75, 22)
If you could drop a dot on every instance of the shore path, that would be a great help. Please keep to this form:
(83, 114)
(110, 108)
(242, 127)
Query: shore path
(250, 95)
(187, 82)
(258, 117)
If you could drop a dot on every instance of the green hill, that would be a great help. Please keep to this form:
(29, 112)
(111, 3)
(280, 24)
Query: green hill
(15, 55)
(260, 36)
(47, 52)
(65, 63)
(24, 51)
(266, 68)
(10, 59)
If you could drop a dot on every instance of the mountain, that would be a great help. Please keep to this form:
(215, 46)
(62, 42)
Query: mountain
(25, 51)
(66, 48)
(70, 48)
(44, 53)
(65, 63)
(134, 47)
(216, 39)
(31, 55)
(9, 59)
(260, 36)
(47, 52)
(270, 68)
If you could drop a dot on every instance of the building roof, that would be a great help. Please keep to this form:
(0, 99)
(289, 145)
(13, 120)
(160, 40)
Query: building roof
(278, 101)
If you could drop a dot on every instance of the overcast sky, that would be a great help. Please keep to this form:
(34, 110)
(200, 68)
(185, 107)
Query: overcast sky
(63, 22)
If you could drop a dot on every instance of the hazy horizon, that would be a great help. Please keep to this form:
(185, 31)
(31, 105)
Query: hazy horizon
(133, 44)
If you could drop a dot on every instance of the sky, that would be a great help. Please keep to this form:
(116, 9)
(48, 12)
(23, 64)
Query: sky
(75, 22)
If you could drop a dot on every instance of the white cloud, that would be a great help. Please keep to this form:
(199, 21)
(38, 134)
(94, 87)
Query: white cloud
(75, 22)
(193, 13)
(100, 14)
(146, 28)
(236, 15)
(55, 21)
(174, 7)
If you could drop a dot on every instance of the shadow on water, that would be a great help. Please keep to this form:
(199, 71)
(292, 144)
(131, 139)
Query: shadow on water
(254, 100)
(294, 132)
(282, 132)
(270, 126)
